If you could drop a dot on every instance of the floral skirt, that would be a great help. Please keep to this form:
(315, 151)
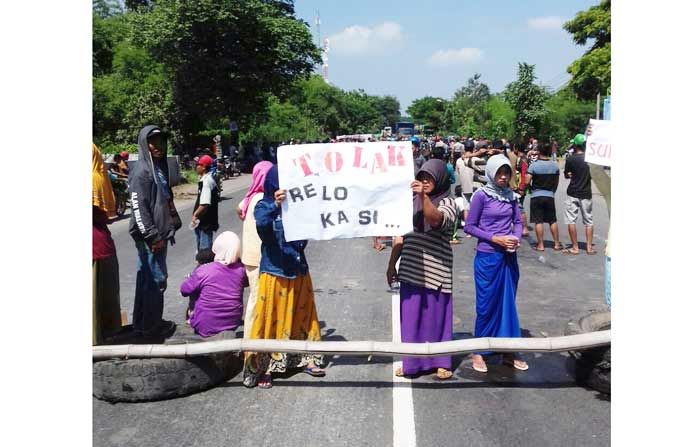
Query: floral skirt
(284, 310)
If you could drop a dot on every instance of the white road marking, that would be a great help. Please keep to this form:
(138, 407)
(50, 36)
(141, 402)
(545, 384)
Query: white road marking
(404, 423)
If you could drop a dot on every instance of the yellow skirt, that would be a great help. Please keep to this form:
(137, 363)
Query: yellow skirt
(284, 310)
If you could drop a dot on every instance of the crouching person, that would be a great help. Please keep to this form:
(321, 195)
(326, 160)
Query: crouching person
(218, 287)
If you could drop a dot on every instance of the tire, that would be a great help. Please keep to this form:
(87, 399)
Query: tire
(592, 366)
(153, 379)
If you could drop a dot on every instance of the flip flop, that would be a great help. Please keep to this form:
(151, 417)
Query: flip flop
(537, 249)
(398, 372)
(515, 365)
(314, 371)
(568, 251)
(443, 374)
(265, 381)
(558, 249)
(592, 252)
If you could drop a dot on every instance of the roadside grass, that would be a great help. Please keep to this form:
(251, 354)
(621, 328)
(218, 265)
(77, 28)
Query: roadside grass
(190, 175)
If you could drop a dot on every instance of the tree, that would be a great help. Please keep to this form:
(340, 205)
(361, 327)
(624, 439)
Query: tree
(591, 72)
(428, 110)
(106, 8)
(566, 116)
(527, 100)
(225, 58)
(389, 109)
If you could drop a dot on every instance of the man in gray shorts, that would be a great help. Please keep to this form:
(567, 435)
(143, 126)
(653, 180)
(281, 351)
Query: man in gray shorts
(579, 196)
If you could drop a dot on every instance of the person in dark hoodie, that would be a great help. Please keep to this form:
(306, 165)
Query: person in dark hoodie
(154, 221)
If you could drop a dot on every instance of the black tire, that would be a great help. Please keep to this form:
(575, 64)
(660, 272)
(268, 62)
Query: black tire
(592, 366)
(145, 380)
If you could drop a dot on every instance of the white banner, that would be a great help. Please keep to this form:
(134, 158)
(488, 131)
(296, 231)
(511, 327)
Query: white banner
(345, 190)
(599, 142)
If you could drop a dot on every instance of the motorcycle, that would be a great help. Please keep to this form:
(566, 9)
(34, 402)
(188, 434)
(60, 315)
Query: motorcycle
(121, 195)
(231, 165)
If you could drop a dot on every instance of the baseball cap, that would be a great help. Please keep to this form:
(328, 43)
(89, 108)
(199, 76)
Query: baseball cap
(579, 140)
(205, 161)
(124, 154)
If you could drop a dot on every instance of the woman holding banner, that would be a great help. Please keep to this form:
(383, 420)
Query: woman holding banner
(285, 308)
(494, 218)
(425, 271)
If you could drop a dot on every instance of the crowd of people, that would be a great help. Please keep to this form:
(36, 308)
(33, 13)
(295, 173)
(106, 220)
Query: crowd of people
(491, 179)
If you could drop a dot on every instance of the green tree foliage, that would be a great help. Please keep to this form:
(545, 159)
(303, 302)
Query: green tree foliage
(591, 72)
(134, 94)
(322, 111)
(106, 8)
(527, 100)
(428, 110)
(566, 116)
(225, 57)
(467, 113)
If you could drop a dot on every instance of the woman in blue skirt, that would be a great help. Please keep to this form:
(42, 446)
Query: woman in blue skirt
(494, 218)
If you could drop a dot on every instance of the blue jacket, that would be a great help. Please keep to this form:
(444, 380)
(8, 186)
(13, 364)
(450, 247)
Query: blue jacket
(279, 257)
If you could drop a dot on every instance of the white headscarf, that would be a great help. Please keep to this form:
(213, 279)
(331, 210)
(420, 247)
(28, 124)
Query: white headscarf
(227, 248)
(491, 189)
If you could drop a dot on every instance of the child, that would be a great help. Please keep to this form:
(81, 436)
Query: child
(218, 286)
(204, 256)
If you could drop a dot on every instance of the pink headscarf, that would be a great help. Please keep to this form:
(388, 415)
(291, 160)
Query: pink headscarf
(259, 173)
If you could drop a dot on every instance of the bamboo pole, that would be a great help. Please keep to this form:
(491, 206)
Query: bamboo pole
(374, 348)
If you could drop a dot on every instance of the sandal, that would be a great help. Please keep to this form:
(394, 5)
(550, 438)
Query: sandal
(265, 381)
(568, 251)
(592, 252)
(314, 371)
(520, 365)
(479, 367)
(559, 248)
(443, 374)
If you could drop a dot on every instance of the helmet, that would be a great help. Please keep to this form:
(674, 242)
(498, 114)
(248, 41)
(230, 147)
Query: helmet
(415, 140)
(579, 140)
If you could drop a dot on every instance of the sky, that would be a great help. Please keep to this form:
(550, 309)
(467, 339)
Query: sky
(415, 48)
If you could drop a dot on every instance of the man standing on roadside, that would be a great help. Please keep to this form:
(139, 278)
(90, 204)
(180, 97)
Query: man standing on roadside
(154, 221)
(579, 196)
(418, 158)
(543, 177)
(205, 216)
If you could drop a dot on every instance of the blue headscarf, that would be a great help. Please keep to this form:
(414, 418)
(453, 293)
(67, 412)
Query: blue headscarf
(272, 184)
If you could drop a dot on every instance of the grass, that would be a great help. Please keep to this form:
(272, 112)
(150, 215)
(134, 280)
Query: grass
(190, 175)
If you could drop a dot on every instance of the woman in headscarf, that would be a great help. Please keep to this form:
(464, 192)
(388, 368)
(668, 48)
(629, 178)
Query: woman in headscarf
(219, 288)
(285, 308)
(106, 312)
(494, 218)
(425, 270)
(251, 241)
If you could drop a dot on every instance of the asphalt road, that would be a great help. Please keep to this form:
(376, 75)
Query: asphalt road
(359, 403)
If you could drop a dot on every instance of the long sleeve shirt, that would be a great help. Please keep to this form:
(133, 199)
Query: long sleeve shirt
(489, 217)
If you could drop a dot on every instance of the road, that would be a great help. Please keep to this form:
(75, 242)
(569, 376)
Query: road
(359, 402)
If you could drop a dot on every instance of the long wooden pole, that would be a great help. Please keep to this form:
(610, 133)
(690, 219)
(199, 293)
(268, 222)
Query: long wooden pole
(375, 348)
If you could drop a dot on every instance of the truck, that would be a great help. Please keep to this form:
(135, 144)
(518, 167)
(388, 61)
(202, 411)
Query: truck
(405, 129)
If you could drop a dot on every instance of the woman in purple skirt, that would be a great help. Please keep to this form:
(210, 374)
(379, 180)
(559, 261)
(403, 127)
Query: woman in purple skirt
(425, 271)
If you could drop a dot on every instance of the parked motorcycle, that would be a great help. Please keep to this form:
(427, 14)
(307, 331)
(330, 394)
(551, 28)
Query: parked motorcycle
(121, 195)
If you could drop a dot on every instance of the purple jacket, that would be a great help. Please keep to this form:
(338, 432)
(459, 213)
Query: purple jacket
(220, 303)
(489, 217)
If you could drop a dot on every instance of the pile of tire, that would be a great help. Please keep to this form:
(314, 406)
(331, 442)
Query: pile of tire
(153, 379)
(592, 366)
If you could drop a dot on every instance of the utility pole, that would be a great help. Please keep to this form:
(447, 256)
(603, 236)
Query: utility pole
(597, 107)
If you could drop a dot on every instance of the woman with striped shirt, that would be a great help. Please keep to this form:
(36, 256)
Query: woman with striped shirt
(425, 271)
